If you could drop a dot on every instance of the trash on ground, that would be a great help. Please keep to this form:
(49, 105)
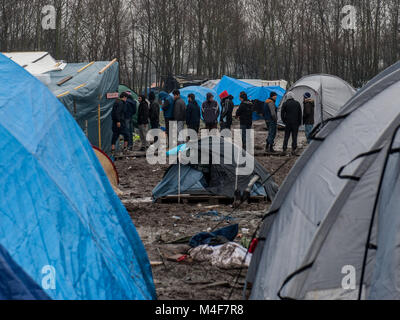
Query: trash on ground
(215, 238)
(228, 256)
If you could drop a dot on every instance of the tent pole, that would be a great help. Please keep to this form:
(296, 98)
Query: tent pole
(99, 121)
(179, 177)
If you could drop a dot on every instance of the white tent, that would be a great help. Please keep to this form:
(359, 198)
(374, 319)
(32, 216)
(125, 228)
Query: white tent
(330, 94)
(337, 211)
(37, 63)
(212, 84)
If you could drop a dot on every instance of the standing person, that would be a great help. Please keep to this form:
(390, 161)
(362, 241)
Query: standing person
(308, 117)
(179, 113)
(245, 114)
(292, 117)
(131, 109)
(154, 113)
(193, 115)
(273, 121)
(168, 110)
(143, 121)
(119, 124)
(227, 110)
(211, 112)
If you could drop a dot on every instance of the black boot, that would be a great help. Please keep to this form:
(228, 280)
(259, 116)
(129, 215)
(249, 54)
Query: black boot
(267, 148)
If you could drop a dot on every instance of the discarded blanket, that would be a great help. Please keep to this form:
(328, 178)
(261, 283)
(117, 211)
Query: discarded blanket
(228, 256)
(215, 238)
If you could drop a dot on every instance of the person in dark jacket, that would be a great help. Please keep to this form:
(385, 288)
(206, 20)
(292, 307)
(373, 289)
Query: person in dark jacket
(227, 111)
(168, 109)
(179, 113)
(308, 116)
(143, 121)
(193, 115)
(245, 114)
(119, 124)
(154, 113)
(131, 109)
(211, 112)
(273, 122)
(292, 117)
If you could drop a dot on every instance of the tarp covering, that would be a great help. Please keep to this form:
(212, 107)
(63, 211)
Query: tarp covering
(313, 233)
(212, 84)
(217, 179)
(58, 208)
(330, 94)
(83, 102)
(235, 87)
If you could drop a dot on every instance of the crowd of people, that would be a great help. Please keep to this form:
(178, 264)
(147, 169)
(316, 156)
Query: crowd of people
(176, 110)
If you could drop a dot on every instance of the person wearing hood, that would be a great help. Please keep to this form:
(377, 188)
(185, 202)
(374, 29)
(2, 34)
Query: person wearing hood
(193, 115)
(168, 109)
(143, 121)
(292, 117)
(227, 110)
(308, 117)
(272, 116)
(179, 113)
(119, 123)
(211, 112)
(245, 114)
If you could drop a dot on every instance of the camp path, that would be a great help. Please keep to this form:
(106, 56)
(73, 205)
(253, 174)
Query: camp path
(159, 224)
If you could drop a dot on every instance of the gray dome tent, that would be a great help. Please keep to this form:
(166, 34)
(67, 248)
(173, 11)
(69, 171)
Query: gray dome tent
(216, 179)
(326, 214)
(330, 94)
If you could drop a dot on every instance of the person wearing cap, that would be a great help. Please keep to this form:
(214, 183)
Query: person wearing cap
(119, 123)
(292, 117)
(245, 114)
(271, 111)
(308, 116)
(227, 110)
(211, 112)
(193, 115)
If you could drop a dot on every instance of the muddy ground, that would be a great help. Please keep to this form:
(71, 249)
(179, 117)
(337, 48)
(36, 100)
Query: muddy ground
(159, 224)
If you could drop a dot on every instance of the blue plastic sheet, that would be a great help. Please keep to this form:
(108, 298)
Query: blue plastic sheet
(57, 206)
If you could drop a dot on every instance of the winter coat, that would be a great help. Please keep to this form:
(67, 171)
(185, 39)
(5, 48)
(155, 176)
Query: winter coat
(180, 110)
(291, 113)
(271, 110)
(154, 112)
(193, 115)
(131, 109)
(245, 113)
(143, 114)
(309, 110)
(227, 110)
(168, 105)
(210, 111)
(118, 112)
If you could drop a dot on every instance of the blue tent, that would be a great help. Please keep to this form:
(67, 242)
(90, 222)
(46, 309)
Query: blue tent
(235, 87)
(58, 209)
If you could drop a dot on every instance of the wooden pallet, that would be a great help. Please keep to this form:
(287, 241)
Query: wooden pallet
(210, 199)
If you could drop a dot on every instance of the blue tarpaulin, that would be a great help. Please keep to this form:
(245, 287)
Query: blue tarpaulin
(235, 87)
(58, 209)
